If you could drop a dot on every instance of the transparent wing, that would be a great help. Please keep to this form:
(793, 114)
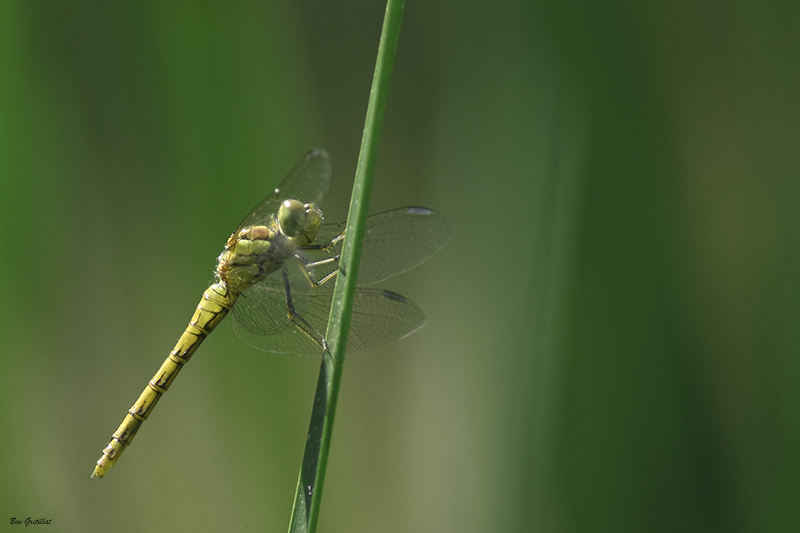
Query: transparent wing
(380, 317)
(307, 182)
(395, 241)
(260, 318)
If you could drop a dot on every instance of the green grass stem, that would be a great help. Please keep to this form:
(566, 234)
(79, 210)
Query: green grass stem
(312, 472)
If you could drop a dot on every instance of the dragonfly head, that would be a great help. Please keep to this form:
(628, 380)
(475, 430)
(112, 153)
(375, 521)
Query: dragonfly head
(299, 222)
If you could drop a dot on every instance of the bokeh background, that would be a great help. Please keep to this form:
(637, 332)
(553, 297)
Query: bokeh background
(612, 339)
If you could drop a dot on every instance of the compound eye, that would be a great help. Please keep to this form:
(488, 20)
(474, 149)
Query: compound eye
(292, 217)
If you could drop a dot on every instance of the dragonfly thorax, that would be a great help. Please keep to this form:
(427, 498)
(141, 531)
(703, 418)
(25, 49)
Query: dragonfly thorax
(250, 255)
(254, 252)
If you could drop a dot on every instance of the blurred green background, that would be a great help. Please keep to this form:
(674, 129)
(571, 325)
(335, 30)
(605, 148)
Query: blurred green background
(612, 339)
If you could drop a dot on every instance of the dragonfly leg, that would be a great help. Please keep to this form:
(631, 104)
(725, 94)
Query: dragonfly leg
(306, 266)
(322, 262)
(328, 245)
(313, 333)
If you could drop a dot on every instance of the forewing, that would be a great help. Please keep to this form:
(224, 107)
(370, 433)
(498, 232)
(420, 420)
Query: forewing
(395, 241)
(307, 182)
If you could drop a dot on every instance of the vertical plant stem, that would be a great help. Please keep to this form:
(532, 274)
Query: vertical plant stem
(315, 459)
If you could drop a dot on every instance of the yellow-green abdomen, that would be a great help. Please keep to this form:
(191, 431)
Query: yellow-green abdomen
(217, 300)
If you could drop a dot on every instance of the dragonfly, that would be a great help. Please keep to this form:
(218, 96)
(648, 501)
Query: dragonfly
(275, 274)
